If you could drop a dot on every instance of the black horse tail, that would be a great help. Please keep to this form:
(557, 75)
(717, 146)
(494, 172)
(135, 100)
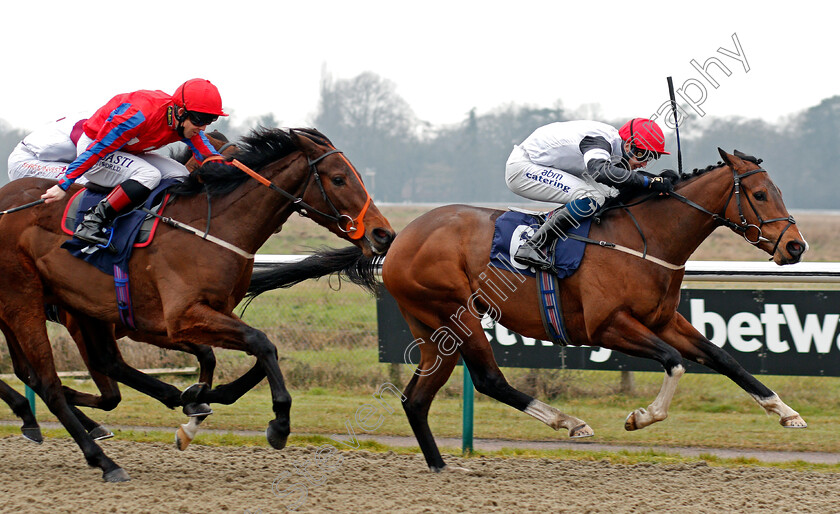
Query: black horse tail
(347, 263)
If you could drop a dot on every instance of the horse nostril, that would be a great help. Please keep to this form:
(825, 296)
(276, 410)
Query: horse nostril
(795, 249)
(382, 236)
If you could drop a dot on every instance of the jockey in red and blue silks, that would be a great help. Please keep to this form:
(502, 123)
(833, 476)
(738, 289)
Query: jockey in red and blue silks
(115, 148)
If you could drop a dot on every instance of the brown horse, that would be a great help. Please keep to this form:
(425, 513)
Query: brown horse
(184, 287)
(438, 271)
(113, 363)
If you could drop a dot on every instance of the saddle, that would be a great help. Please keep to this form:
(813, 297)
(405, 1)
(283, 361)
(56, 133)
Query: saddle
(135, 229)
(74, 213)
(515, 226)
(565, 255)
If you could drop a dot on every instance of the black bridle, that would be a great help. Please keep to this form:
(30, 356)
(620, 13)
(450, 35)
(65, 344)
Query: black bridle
(297, 200)
(336, 215)
(744, 227)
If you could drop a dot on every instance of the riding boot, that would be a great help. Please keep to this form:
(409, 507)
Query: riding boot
(123, 198)
(564, 218)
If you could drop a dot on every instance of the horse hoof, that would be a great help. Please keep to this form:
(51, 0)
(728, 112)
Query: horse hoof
(455, 469)
(182, 439)
(195, 410)
(276, 437)
(795, 421)
(116, 475)
(580, 431)
(193, 392)
(98, 433)
(33, 434)
(630, 422)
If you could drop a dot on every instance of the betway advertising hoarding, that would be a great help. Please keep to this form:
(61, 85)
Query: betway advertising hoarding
(767, 331)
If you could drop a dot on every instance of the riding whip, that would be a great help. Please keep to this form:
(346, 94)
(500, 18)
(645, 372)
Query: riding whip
(676, 123)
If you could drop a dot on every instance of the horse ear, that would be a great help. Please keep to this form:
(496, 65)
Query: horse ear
(725, 156)
(306, 145)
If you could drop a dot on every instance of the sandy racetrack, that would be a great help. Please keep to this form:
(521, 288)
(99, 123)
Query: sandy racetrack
(53, 478)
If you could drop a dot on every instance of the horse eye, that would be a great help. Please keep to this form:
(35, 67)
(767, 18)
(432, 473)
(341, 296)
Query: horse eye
(760, 196)
(338, 181)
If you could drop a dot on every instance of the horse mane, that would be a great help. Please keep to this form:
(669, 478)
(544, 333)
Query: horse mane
(678, 179)
(696, 172)
(256, 150)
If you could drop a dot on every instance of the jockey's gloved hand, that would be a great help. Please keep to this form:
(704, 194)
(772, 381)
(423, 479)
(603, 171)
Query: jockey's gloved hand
(671, 175)
(661, 185)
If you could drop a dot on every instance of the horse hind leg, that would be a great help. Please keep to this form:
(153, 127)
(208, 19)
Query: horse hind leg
(31, 341)
(20, 406)
(432, 372)
(490, 380)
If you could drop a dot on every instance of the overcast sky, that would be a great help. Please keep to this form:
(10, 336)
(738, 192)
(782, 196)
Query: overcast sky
(445, 57)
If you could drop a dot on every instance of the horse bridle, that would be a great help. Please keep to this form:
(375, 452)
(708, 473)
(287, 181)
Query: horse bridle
(744, 226)
(353, 224)
(354, 227)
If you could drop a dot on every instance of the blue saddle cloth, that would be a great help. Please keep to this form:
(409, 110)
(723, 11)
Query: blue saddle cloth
(513, 228)
(125, 230)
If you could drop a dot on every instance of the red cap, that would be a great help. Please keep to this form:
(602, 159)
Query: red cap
(645, 134)
(199, 95)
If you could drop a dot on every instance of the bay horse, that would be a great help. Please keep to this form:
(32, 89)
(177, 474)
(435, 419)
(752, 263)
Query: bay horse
(438, 271)
(184, 287)
(113, 364)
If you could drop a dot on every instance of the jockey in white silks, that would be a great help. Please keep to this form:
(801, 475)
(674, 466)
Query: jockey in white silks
(580, 164)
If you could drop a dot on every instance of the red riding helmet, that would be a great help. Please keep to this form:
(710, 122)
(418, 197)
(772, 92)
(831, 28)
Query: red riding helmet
(645, 134)
(199, 95)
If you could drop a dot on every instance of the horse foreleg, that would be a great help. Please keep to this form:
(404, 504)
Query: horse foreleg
(225, 394)
(658, 410)
(627, 335)
(201, 324)
(680, 334)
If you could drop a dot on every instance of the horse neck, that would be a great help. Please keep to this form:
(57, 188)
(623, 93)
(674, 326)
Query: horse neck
(681, 228)
(248, 216)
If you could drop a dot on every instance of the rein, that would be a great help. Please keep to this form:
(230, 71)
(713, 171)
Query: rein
(744, 226)
(353, 226)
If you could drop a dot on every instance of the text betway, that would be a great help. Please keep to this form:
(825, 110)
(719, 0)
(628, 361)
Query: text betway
(779, 328)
